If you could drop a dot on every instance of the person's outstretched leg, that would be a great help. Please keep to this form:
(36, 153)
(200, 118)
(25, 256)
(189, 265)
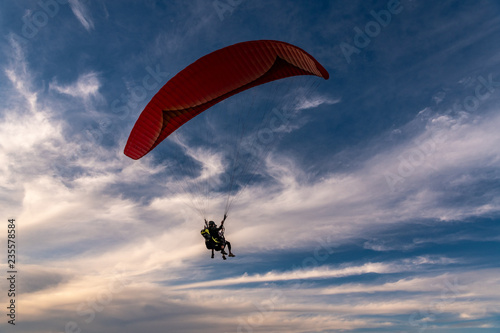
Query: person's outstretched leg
(229, 249)
(223, 253)
(223, 244)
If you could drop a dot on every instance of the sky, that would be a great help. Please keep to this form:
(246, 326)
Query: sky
(373, 207)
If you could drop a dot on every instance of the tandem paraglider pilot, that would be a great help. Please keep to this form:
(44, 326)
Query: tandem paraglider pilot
(214, 238)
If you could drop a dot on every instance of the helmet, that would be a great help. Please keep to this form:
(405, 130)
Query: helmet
(211, 224)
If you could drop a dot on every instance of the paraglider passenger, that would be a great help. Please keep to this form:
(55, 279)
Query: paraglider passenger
(214, 238)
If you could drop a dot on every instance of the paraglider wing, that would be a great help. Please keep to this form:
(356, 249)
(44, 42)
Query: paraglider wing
(211, 79)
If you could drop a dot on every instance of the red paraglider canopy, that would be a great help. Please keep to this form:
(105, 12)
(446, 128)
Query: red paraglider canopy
(211, 79)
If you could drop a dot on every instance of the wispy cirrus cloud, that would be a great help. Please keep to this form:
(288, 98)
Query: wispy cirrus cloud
(317, 273)
(81, 11)
(86, 86)
(313, 102)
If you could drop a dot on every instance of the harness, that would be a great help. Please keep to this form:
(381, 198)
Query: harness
(206, 234)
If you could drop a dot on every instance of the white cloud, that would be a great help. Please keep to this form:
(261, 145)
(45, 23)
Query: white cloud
(86, 87)
(82, 14)
(315, 101)
(301, 274)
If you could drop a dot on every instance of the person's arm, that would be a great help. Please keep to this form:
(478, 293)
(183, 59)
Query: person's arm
(222, 222)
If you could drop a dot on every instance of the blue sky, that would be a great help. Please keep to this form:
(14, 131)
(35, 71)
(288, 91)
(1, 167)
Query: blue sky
(374, 208)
